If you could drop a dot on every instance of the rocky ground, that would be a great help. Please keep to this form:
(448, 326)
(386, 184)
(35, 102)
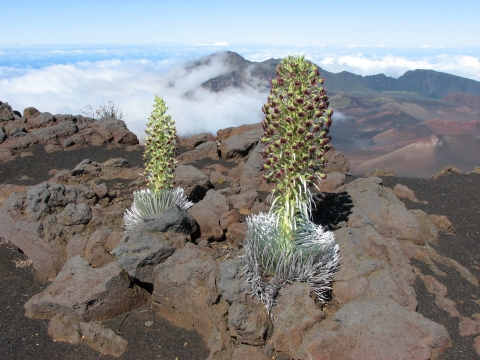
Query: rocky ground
(396, 296)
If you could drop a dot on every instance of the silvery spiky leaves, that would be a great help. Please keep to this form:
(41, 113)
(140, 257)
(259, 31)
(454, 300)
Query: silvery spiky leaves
(160, 148)
(147, 203)
(296, 125)
(313, 257)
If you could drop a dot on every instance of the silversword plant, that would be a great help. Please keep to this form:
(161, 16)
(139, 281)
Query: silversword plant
(284, 244)
(159, 157)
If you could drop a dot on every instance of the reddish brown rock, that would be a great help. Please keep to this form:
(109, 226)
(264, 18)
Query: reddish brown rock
(87, 293)
(195, 140)
(369, 328)
(404, 192)
(378, 206)
(294, 316)
(336, 162)
(202, 151)
(224, 134)
(30, 112)
(68, 329)
(331, 182)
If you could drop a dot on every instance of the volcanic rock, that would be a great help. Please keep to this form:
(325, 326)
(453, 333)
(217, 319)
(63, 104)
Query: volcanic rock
(87, 293)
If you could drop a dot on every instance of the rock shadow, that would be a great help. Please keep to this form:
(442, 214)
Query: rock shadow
(331, 210)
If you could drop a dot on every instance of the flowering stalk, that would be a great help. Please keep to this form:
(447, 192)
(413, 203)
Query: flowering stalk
(296, 125)
(160, 148)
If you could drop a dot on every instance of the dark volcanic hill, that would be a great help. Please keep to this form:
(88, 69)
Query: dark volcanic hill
(427, 83)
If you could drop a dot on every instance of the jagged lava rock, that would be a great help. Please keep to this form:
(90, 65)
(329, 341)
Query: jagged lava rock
(87, 293)
(139, 252)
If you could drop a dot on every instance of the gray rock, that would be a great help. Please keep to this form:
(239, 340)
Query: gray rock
(252, 173)
(232, 282)
(87, 293)
(115, 131)
(239, 145)
(174, 220)
(3, 135)
(63, 129)
(194, 182)
(6, 112)
(139, 252)
(37, 201)
(75, 214)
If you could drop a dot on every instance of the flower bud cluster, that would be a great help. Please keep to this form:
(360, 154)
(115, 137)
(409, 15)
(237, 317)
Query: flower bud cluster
(296, 125)
(160, 148)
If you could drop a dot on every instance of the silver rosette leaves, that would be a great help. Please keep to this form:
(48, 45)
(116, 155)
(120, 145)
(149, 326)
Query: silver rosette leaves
(270, 263)
(147, 203)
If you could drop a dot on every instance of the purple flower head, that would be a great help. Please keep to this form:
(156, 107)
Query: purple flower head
(289, 119)
(299, 100)
(301, 130)
(290, 134)
(306, 92)
(280, 81)
(301, 114)
(309, 106)
(291, 108)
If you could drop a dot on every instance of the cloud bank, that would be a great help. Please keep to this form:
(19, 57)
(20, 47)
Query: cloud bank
(131, 77)
(132, 85)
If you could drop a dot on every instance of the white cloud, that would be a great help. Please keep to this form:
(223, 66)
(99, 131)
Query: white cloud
(220, 43)
(395, 66)
(132, 85)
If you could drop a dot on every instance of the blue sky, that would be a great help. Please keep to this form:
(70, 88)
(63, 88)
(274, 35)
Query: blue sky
(60, 56)
(369, 23)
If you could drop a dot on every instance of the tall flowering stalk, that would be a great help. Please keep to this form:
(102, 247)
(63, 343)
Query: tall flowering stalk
(285, 243)
(296, 125)
(159, 157)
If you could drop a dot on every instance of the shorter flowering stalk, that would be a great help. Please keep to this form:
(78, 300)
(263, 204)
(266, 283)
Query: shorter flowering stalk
(160, 148)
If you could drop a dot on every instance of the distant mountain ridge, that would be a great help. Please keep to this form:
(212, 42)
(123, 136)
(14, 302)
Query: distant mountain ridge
(427, 83)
